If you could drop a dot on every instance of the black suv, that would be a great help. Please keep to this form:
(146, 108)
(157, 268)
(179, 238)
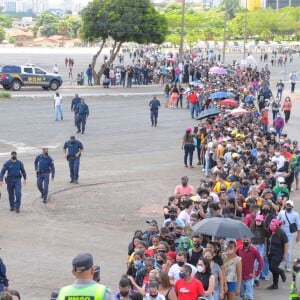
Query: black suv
(13, 77)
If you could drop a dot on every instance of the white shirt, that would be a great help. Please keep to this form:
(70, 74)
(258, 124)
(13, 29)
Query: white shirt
(293, 218)
(279, 160)
(175, 270)
(185, 217)
(58, 100)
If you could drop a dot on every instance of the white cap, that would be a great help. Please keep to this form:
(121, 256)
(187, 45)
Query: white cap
(290, 202)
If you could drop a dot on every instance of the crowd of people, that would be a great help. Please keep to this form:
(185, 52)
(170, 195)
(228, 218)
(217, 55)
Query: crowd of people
(249, 166)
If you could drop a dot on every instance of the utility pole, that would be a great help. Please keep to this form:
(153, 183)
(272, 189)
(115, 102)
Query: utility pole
(224, 35)
(182, 31)
(277, 5)
(245, 29)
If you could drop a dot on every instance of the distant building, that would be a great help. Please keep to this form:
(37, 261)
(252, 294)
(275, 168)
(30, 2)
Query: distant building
(24, 22)
(40, 6)
(11, 6)
(280, 3)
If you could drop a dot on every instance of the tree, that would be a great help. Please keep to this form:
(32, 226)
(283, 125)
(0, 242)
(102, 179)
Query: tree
(123, 21)
(2, 34)
(47, 24)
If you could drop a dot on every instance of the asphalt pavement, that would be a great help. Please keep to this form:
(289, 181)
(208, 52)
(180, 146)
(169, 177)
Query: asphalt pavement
(128, 170)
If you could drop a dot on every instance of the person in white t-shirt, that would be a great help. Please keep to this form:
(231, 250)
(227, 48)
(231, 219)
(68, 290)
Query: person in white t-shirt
(58, 106)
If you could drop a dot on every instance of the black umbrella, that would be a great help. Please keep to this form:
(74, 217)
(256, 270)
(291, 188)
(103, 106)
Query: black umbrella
(208, 113)
(223, 227)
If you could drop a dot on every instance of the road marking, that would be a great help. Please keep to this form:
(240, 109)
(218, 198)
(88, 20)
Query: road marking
(23, 148)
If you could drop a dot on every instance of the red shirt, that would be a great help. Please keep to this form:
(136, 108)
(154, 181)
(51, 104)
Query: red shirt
(188, 290)
(192, 98)
(248, 258)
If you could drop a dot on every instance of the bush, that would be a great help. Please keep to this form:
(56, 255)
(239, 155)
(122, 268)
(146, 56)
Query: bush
(5, 95)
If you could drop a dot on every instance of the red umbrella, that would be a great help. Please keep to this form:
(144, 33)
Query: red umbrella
(229, 102)
(239, 112)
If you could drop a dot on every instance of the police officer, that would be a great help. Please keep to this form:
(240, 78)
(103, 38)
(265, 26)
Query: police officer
(3, 278)
(44, 165)
(72, 150)
(15, 170)
(83, 113)
(154, 106)
(84, 286)
(74, 107)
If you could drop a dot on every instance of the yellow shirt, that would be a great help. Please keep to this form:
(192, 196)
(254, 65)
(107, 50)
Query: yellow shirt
(217, 187)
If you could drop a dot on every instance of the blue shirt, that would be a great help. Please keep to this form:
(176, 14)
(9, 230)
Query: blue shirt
(83, 109)
(14, 169)
(73, 147)
(75, 103)
(44, 163)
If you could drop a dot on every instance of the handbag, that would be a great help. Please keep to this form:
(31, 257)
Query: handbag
(292, 226)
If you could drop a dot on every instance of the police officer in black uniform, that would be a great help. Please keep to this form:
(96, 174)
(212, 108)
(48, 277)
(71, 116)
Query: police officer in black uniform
(72, 150)
(15, 170)
(154, 106)
(83, 113)
(74, 107)
(3, 278)
(44, 165)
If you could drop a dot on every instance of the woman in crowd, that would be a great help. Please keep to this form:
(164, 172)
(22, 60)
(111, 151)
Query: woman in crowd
(188, 147)
(205, 275)
(277, 252)
(233, 271)
(286, 108)
(218, 274)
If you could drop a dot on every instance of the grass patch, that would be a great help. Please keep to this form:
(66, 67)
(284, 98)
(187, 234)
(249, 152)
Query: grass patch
(5, 95)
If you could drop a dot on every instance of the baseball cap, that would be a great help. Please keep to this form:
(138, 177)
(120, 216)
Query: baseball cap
(149, 252)
(290, 202)
(259, 218)
(233, 155)
(172, 209)
(172, 254)
(82, 262)
(152, 222)
(267, 191)
(189, 129)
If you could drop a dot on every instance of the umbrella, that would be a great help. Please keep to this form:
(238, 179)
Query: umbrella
(217, 70)
(197, 83)
(208, 113)
(229, 102)
(223, 227)
(230, 95)
(230, 71)
(218, 95)
(239, 112)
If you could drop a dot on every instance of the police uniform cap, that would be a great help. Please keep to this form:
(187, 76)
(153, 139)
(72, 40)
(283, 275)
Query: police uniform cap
(82, 262)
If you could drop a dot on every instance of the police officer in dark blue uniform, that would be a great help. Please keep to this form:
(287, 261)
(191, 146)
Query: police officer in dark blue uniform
(83, 113)
(15, 170)
(3, 278)
(154, 106)
(74, 107)
(72, 150)
(44, 165)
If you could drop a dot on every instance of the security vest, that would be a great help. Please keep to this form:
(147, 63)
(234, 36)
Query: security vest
(83, 292)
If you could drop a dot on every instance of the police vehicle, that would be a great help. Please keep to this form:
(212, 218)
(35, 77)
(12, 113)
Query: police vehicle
(14, 77)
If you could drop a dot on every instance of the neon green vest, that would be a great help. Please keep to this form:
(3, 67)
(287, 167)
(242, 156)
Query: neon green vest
(83, 292)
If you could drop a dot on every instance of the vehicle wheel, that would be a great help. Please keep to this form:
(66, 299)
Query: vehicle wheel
(16, 85)
(6, 87)
(54, 85)
(46, 88)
